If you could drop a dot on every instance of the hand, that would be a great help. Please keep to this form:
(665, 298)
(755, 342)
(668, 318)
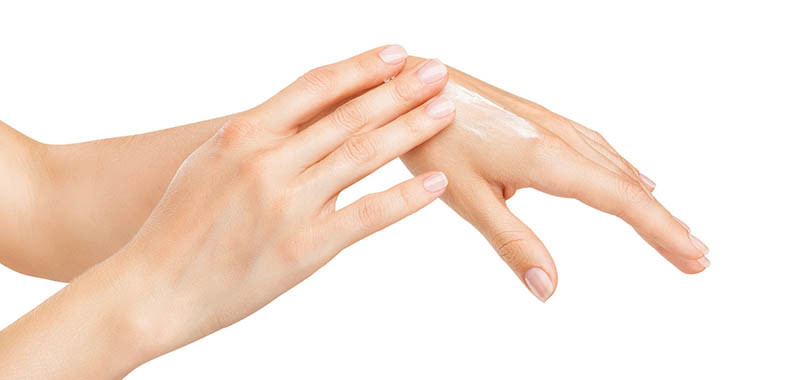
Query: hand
(251, 212)
(489, 155)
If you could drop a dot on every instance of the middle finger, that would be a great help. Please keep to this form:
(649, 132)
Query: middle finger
(367, 112)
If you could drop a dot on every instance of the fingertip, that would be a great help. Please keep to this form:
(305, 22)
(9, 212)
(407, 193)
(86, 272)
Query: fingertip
(702, 247)
(393, 54)
(684, 225)
(705, 262)
(690, 265)
(691, 248)
(539, 283)
(435, 183)
(432, 72)
(440, 107)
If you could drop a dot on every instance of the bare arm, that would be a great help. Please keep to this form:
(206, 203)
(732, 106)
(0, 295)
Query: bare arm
(111, 185)
(249, 214)
(68, 207)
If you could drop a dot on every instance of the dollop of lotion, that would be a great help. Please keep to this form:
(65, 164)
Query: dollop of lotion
(483, 118)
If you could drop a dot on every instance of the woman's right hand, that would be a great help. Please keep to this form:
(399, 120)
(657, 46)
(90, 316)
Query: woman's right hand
(251, 212)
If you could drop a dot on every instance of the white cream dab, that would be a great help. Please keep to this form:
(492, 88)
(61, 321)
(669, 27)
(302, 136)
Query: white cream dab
(482, 117)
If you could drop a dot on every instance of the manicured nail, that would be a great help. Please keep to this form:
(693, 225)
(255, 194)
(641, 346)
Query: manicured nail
(704, 262)
(435, 182)
(432, 71)
(647, 181)
(440, 107)
(539, 283)
(393, 54)
(682, 223)
(699, 244)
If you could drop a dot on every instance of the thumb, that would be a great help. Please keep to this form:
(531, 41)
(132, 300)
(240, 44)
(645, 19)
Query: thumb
(516, 244)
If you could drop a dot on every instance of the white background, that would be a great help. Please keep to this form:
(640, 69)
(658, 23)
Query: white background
(701, 96)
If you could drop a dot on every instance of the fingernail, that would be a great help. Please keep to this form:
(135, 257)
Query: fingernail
(435, 182)
(682, 223)
(393, 54)
(432, 71)
(704, 262)
(539, 283)
(647, 180)
(440, 107)
(699, 244)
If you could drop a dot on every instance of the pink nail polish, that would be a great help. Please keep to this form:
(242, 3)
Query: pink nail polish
(647, 181)
(435, 182)
(393, 54)
(539, 283)
(698, 244)
(432, 71)
(682, 223)
(440, 107)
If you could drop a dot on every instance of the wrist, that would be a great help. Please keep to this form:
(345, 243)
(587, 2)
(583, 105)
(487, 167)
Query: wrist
(153, 320)
(89, 329)
(130, 312)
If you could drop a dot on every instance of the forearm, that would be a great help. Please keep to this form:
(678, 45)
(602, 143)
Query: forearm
(248, 215)
(86, 200)
(92, 197)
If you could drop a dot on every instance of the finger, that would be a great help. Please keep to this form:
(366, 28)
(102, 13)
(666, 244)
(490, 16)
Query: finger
(377, 211)
(622, 167)
(594, 152)
(569, 133)
(593, 142)
(321, 87)
(365, 153)
(593, 135)
(516, 244)
(369, 111)
(622, 162)
(627, 199)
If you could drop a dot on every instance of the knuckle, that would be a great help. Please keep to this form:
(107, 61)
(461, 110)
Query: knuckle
(404, 91)
(594, 135)
(415, 123)
(352, 117)
(320, 80)
(510, 245)
(632, 197)
(369, 212)
(359, 149)
(235, 132)
(597, 135)
(406, 197)
(368, 67)
(294, 252)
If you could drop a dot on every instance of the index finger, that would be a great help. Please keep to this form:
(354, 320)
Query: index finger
(322, 87)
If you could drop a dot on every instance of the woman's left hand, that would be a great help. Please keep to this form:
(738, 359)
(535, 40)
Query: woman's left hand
(489, 153)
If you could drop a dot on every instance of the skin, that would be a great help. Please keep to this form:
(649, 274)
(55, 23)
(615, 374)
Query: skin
(248, 201)
(80, 203)
(567, 160)
(249, 214)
